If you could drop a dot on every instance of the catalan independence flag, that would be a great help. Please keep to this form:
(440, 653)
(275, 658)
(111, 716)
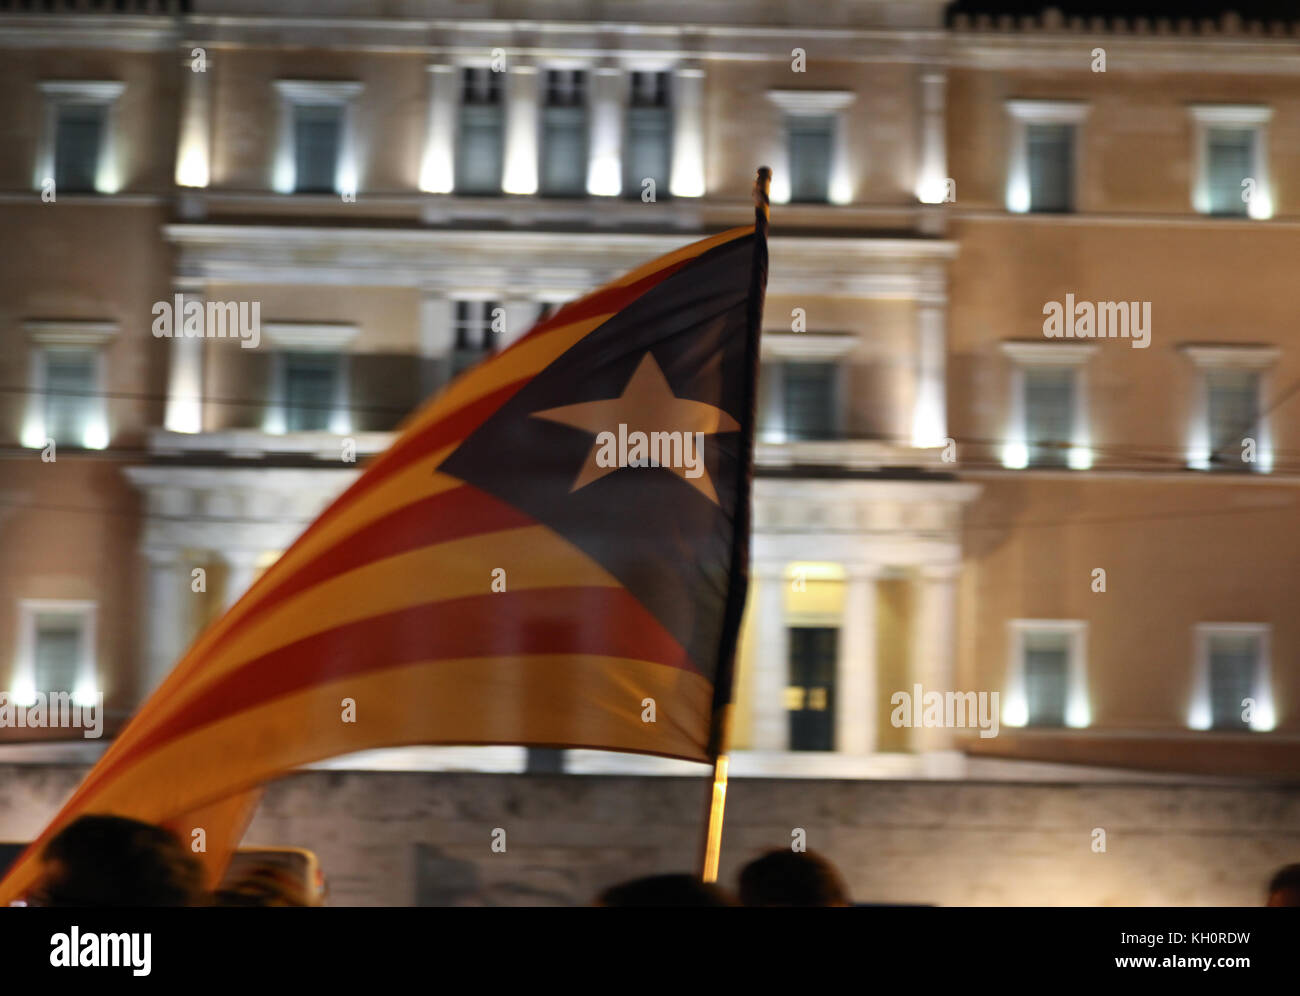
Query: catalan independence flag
(558, 536)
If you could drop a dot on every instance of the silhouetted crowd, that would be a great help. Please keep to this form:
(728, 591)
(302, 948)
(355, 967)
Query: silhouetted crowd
(114, 861)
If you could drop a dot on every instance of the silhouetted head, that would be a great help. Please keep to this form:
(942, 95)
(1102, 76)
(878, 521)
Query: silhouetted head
(664, 890)
(1284, 887)
(792, 878)
(114, 861)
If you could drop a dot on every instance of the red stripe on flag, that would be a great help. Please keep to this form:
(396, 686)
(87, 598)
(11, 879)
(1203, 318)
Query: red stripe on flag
(461, 512)
(456, 628)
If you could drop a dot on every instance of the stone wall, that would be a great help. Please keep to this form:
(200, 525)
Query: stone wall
(407, 837)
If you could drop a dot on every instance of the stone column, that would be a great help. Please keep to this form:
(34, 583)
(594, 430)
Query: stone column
(855, 696)
(521, 315)
(934, 644)
(165, 609)
(241, 568)
(437, 167)
(929, 404)
(688, 133)
(932, 173)
(193, 152)
(184, 411)
(771, 724)
(437, 338)
(605, 140)
(521, 151)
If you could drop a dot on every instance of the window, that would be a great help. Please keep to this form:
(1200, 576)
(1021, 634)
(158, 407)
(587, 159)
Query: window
(474, 335)
(1047, 666)
(810, 141)
(479, 150)
(648, 154)
(1231, 687)
(1049, 414)
(311, 386)
(317, 139)
(800, 401)
(1231, 177)
(1232, 398)
(1044, 155)
(70, 388)
(67, 403)
(316, 154)
(1051, 167)
(77, 142)
(76, 149)
(56, 650)
(1229, 430)
(1046, 683)
(564, 134)
(810, 695)
(310, 377)
(1229, 161)
(812, 165)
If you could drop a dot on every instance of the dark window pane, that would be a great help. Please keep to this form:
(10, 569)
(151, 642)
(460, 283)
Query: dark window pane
(1049, 414)
(318, 132)
(1046, 677)
(1233, 415)
(810, 696)
(809, 400)
(811, 139)
(648, 151)
(311, 382)
(479, 151)
(58, 648)
(1230, 158)
(1051, 167)
(69, 389)
(76, 147)
(1232, 679)
(564, 151)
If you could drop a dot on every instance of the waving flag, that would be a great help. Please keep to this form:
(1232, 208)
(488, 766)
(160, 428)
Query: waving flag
(557, 538)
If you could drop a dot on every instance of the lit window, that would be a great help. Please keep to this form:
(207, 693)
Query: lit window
(479, 150)
(316, 153)
(70, 393)
(77, 144)
(317, 140)
(56, 651)
(800, 401)
(564, 134)
(1049, 414)
(1231, 178)
(1232, 684)
(1046, 679)
(1044, 154)
(1232, 414)
(811, 140)
(76, 150)
(67, 403)
(648, 154)
(1047, 424)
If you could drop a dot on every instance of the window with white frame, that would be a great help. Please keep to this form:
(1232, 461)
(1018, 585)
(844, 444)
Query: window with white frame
(564, 134)
(310, 386)
(317, 151)
(76, 150)
(56, 650)
(1232, 683)
(481, 140)
(1231, 177)
(1229, 430)
(648, 149)
(800, 388)
(1048, 412)
(812, 163)
(1042, 173)
(1047, 674)
(67, 403)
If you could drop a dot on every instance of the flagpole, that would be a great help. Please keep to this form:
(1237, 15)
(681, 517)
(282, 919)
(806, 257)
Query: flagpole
(721, 737)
